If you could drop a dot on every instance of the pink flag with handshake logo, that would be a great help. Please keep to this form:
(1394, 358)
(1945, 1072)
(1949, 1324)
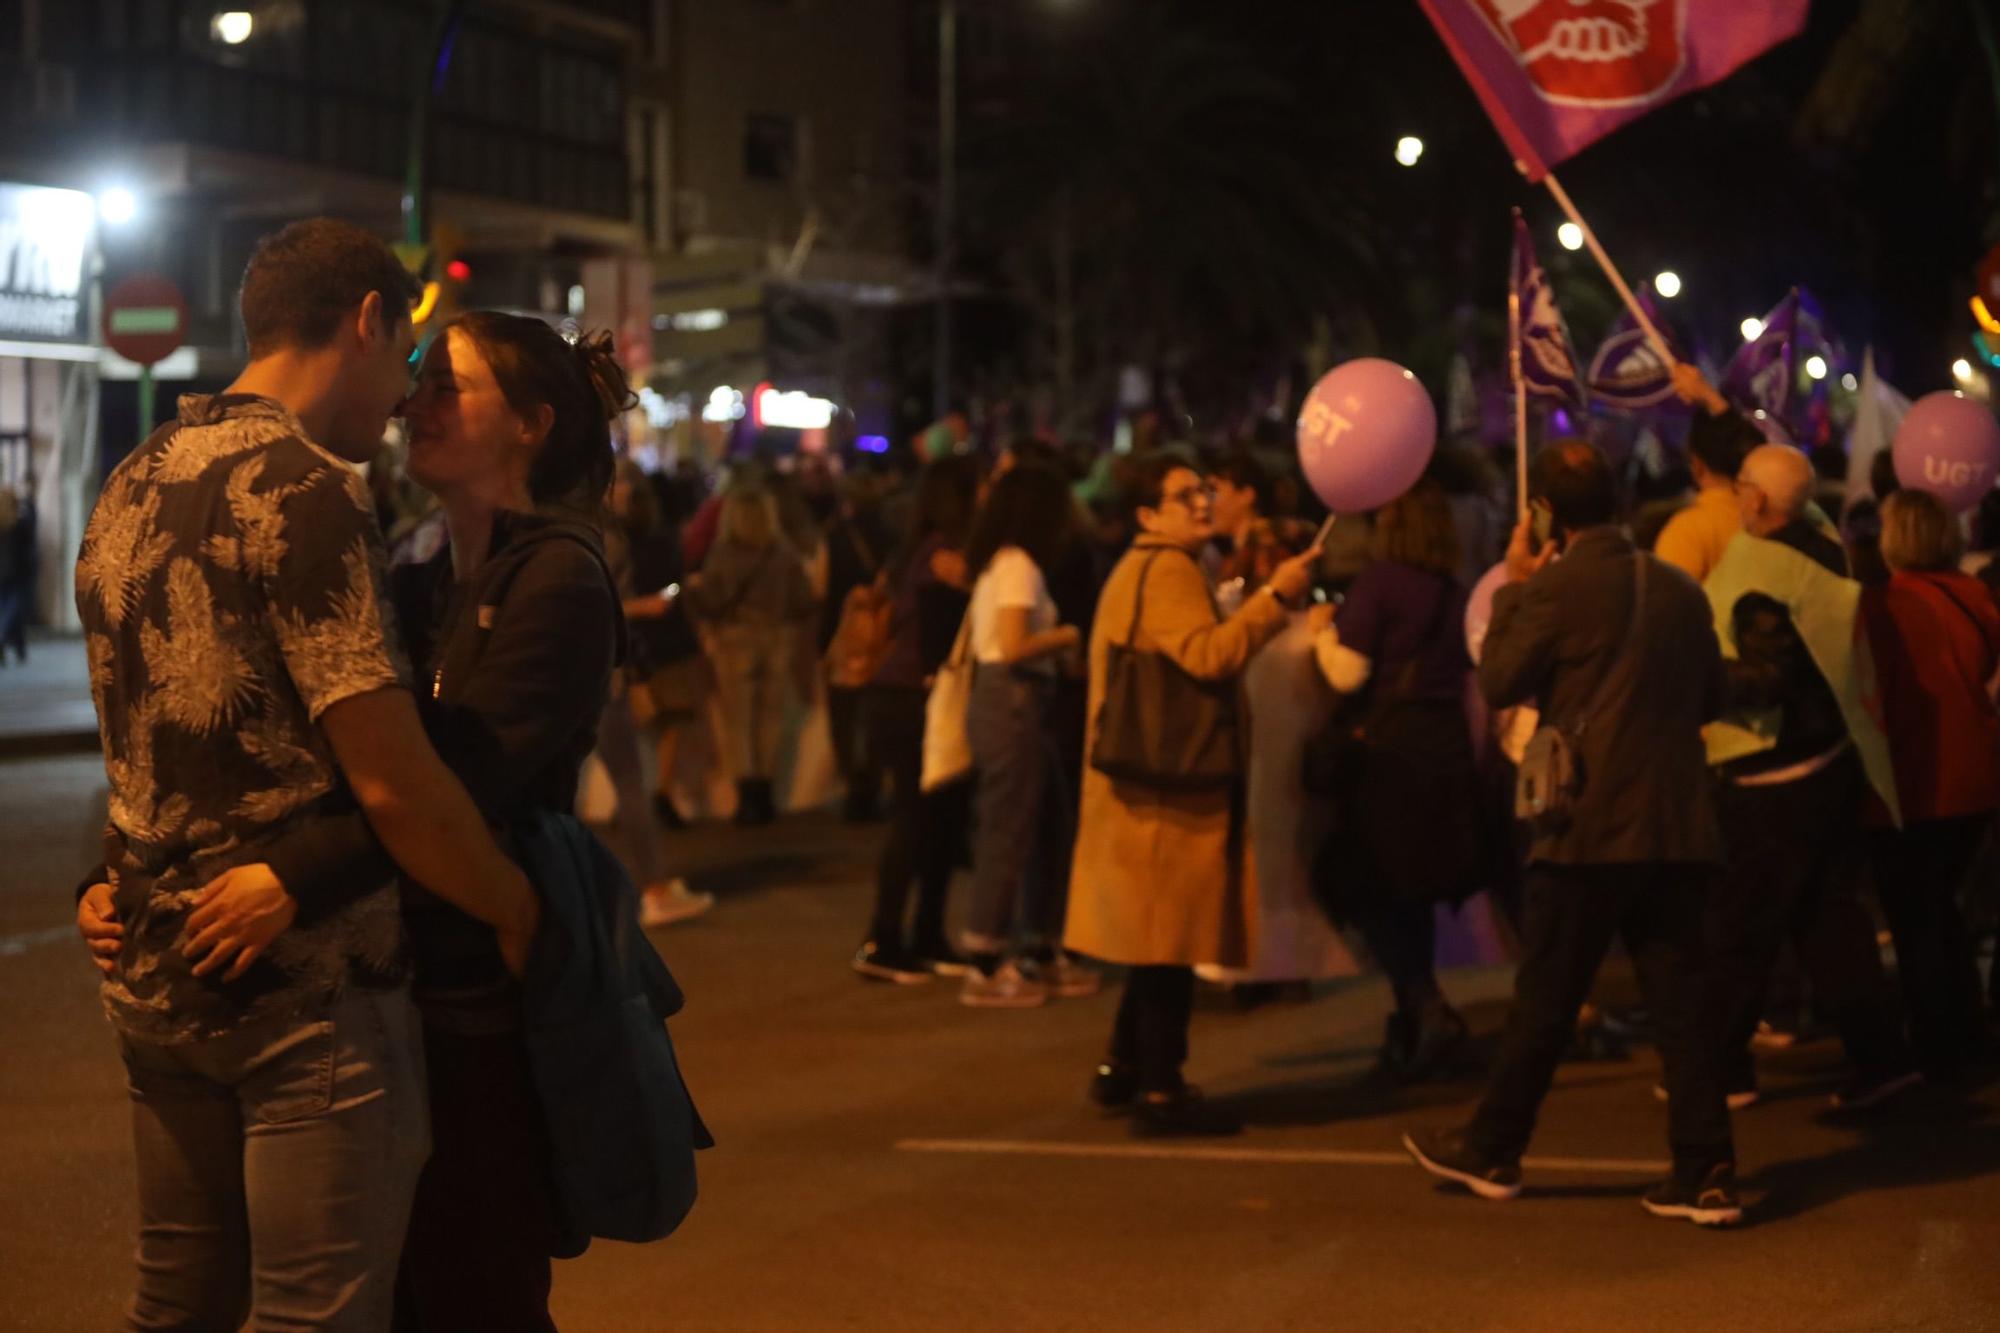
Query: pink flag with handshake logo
(1558, 75)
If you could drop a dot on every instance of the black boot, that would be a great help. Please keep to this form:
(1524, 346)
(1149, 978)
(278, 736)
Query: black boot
(1439, 1044)
(753, 802)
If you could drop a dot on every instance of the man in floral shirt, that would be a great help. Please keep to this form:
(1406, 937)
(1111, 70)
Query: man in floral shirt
(247, 676)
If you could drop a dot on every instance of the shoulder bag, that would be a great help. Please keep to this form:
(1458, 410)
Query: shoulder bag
(862, 634)
(947, 740)
(1160, 725)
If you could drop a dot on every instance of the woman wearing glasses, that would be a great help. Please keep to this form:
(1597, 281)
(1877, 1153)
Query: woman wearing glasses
(1159, 879)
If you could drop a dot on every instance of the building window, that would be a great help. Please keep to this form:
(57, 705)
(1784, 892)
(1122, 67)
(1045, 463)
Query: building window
(770, 147)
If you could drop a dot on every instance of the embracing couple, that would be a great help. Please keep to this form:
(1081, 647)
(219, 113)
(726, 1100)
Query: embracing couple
(311, 943)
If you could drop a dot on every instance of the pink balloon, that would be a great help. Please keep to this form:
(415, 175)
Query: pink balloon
(1479, 608)
(1366, 434)
(1948, 445)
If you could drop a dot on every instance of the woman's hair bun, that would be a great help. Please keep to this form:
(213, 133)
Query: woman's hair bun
(597, 354)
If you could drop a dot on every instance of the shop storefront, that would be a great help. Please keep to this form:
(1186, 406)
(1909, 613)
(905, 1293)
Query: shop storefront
(48, 387)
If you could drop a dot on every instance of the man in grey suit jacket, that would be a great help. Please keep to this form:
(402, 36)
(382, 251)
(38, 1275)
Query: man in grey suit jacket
(1637, 848)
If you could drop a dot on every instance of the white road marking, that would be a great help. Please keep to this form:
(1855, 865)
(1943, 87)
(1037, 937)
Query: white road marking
(1261, 1156)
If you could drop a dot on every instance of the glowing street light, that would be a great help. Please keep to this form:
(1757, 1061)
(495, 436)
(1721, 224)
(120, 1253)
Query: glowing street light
(1570, 235)
(232, 27)
(1849, 383)
(1409, 149)
(1668, 284)
(1961, 370)
(117, 206)
(1816, 367)
(1752, 329)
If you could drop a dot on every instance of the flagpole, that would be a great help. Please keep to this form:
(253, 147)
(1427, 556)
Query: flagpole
(1659, 343)
(1520, 401)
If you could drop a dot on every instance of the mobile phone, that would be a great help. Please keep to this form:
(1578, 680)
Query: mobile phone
(1542, 516)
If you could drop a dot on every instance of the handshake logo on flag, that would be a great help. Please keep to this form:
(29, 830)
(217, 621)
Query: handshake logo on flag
(1593, 52)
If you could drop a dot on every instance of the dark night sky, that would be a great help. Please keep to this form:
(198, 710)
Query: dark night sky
(1884, 226)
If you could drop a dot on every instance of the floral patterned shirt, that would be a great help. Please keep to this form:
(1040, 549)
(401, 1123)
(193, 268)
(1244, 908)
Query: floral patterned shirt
(231, 586)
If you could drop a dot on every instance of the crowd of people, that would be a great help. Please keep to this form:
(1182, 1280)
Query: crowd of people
(1169, 720)
(1740, 795)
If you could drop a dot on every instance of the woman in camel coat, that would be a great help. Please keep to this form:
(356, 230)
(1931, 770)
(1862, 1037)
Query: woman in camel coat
(1158, 880)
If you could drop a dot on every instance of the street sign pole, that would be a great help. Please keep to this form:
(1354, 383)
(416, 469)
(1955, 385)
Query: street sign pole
(145, 401)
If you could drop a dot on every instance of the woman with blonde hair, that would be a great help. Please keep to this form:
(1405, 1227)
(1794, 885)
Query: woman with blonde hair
(753, 594)
(1405, 791)
(1935, 636)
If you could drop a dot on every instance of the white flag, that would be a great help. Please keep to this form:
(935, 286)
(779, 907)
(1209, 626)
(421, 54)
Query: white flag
(1878, 411)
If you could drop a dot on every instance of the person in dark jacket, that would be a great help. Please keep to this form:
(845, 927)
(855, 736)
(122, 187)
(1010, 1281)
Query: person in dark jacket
(1618, 650)
(1792, 813)
(518, 628)
(1409, 837)
(857, 547)
(18, 558)
(927, 830)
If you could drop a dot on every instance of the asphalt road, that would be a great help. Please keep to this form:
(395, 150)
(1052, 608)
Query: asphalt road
(889, 1159)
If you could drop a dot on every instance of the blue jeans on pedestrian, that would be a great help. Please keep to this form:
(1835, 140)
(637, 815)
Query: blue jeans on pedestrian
(276, 1166)
(1022, 811)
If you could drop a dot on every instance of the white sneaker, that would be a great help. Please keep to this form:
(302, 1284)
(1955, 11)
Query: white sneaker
(665, 904)
(1008, 988)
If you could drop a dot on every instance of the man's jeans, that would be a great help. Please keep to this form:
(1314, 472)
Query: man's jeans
(276, 1167)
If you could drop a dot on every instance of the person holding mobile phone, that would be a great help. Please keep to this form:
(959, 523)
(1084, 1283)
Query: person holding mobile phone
(1619, 651)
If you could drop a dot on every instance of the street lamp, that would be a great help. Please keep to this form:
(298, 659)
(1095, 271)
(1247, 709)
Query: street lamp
(1961, 370)
(1409, 150)
(232, 27)
(1570, 235)
(117, 206)
(1816, 367)
(947, 205)
(1849, 383)
(1753, 328)
(1668, 284)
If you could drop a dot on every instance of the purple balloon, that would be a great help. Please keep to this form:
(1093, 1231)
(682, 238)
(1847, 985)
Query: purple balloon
(1479, 608)
(1948, 445)
(1366, 434)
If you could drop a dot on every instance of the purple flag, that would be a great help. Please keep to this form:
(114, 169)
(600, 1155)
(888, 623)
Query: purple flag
(1764, 373)
(1627, 373)
(1547, 356)
(1558, 75)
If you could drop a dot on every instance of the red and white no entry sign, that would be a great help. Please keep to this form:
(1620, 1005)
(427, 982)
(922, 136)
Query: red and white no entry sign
(145, 318)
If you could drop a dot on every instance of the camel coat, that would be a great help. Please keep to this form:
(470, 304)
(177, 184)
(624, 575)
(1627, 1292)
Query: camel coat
(1160, 876)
